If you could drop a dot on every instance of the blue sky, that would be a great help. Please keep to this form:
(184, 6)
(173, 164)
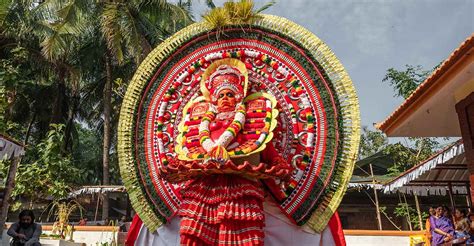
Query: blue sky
(370, 36)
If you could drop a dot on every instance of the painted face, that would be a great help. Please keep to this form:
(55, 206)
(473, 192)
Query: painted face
(226, 100)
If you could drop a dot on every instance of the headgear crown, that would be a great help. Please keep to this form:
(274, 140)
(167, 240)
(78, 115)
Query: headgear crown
(222, 74)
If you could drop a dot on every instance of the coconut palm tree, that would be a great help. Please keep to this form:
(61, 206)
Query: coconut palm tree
(131, 28)
(76, 50)
(123, 31)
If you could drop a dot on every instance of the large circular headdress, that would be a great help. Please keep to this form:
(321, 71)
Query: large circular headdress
(318, 124)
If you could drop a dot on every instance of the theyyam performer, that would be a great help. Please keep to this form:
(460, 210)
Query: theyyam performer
(242, 129)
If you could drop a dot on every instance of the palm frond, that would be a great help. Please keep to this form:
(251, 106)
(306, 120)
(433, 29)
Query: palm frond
(210, 4)
(181, 14)
(162, 5)
(74, 16)
(110, 26)
(157, 24)
(4, 8)
(53, 46)
(61, 24)
(265, 7)
(131, 34)
(151, 32)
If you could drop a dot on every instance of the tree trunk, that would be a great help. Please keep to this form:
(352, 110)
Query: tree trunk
(146, 49)
(68, 140)
(57, 114)
(106, 145)
(10, 182)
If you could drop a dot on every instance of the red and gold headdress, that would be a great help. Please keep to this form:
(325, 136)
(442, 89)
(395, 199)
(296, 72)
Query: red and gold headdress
(225, 74)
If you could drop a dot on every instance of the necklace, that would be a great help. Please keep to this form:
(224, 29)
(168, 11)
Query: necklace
(225, 115)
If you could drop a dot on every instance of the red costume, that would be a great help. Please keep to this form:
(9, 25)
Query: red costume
(239, 139)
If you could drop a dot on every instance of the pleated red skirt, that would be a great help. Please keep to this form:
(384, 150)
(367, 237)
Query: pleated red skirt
(222, 210)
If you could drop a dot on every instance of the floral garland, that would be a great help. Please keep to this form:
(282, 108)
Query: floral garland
(229, 134)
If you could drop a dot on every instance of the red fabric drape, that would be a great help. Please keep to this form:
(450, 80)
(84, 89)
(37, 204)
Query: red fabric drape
(334, 225)
(336, 230)
(222, 210)
(134, 230)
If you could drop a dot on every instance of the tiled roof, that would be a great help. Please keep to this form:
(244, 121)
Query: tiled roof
(450, 157)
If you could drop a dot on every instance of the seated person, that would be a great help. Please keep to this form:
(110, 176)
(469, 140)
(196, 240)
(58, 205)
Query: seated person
(442, 229)
(25, 232)
(462, 226)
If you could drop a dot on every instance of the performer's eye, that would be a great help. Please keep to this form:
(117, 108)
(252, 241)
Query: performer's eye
(221, 95)
(231, 95)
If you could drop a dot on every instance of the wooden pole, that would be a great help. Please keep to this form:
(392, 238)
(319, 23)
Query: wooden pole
(128, 210)
(408, 212)
(377, 207)
(9, 185)
(468, 198)
(97, 207)
(451, 199)
(420, 220)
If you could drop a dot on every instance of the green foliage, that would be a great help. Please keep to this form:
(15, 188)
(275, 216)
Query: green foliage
(371, 142)
(88, 153)
(10, 72)
(52, 70)
(413, 150)
(51, 174)
(404, 210)
(405, 154)
(410, 154)
(87, 156)
(14, 83)
(3, 108)
(4, 5)
(404, 82)
(233, 13)
(121, 25)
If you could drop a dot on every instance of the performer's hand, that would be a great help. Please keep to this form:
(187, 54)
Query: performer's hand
(21, 236)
